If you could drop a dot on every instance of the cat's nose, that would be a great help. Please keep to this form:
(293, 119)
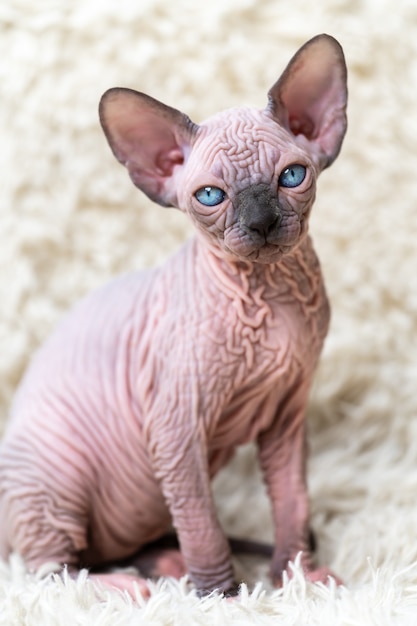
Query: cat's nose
(262, 222)
(258, 209)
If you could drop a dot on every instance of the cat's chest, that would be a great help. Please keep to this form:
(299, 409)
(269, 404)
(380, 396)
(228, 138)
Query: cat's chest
(262, 317)
(263, 336)
(256, 356)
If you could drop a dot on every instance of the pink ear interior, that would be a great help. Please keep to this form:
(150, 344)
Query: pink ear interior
(311, 95)
(148, 137)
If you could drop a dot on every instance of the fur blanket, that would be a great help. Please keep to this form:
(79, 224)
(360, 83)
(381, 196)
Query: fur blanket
(70, 219)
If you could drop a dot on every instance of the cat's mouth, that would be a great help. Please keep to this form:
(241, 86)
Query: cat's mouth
(269, 253)
(261, 249)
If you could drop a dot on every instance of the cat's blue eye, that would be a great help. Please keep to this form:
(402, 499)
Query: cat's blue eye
(210, 196)
(292, 176)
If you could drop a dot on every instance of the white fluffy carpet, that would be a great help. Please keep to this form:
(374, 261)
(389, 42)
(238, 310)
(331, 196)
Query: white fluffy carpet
(70, 219)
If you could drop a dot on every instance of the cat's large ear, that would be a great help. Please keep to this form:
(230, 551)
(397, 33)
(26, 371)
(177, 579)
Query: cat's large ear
(149, 138)
(310, 97)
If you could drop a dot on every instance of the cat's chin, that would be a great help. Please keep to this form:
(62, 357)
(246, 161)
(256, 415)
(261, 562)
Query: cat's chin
(267, 254)
(270, 255)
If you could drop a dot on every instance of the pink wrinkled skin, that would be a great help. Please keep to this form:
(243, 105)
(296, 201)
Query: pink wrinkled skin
(144, 391)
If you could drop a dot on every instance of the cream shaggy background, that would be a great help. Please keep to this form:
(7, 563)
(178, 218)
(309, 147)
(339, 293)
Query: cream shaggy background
(70, 219)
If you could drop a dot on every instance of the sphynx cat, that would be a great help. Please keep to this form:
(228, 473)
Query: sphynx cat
(144, 391)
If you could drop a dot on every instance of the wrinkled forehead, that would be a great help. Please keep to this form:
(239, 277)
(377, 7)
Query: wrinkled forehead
(238, 144)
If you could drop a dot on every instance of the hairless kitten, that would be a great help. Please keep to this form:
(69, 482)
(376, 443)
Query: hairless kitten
(144, 391)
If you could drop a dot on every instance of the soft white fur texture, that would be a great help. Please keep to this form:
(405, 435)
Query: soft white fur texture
(70, 219)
